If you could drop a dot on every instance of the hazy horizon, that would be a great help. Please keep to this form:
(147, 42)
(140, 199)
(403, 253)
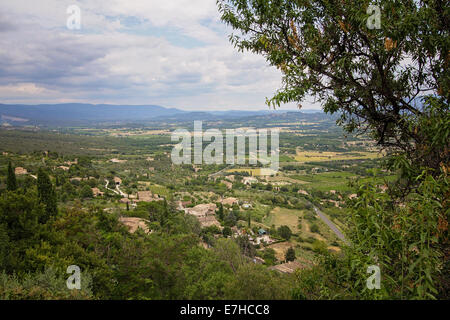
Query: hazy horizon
(193, 109)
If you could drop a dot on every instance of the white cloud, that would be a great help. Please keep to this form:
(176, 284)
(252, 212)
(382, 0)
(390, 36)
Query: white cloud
(173, 53)
(27, 90)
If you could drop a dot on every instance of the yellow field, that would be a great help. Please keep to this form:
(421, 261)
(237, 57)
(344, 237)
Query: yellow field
(318, 156)
(281, 248)
(284, 217)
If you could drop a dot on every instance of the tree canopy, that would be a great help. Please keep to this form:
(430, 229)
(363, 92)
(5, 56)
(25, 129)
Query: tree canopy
(11, 182)
(46, 195)
(382, 66)
(374, 76)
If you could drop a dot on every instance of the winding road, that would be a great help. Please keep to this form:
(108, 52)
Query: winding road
(117, 191)
(106, 186)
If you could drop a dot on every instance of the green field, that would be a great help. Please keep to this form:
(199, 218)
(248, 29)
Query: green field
(327, 181)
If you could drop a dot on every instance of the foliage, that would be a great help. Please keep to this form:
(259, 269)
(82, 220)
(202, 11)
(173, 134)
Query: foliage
(269, 256)
(166, 264)
(406, 241)
(46, 195)
(373, 77)
(86, 192)
(290, 254)
(247, 248)
(392, 83)
(284, 232)
(319, 246)
(19, 228)
(47, 285)
(314, 228)
(220, 214)
(227, 232)
(230, 219)
(11, 183)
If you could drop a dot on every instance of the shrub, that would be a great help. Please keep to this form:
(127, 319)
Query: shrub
(290, 254)
(285, 232)
(315, 228)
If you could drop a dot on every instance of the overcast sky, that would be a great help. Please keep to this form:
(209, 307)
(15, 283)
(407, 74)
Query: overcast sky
(173, 53)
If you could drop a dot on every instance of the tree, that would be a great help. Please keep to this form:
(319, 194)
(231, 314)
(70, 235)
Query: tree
(290, 254)
(49, 285)
(68, 188)
(11, 182)
(84, 162)
(19, 228)
(220, 212)
(314, 228)
(319, 246)
(372, 77)
(253, 281)
(391, 82)
(86, 192)
(409, 242)
(285, 232)
(46, 195)
(229, 252)
(269, 256)
(4, 246)
(230, 219)
(227, 232)
(247, 248)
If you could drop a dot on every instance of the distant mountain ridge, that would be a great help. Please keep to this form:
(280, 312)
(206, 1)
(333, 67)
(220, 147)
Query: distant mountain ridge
(78, 114)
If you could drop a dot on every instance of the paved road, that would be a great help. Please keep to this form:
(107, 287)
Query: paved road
(330, 224)
(219, 172)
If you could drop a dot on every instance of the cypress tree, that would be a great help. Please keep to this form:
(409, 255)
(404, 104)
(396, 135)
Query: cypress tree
(11, 182)
(165, 214)
(47, 195)
(290, 255)
(220, 213)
